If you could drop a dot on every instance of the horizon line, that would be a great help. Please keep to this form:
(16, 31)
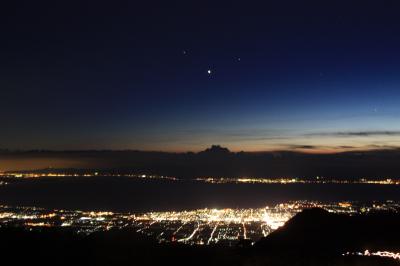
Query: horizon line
(298, 149)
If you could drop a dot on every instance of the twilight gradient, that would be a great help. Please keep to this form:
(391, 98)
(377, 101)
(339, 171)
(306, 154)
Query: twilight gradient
(309, 76)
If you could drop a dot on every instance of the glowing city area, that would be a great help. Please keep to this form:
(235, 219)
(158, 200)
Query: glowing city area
(195, 227)
(367, 253)
(44, 173)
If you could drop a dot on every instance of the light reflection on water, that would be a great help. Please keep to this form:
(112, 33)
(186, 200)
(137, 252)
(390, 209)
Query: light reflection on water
(125, 194)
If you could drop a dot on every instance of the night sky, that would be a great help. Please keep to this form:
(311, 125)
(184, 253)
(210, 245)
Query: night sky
(320, 76)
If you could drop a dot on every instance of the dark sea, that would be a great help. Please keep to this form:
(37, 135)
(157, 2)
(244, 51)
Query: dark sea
(127, 194)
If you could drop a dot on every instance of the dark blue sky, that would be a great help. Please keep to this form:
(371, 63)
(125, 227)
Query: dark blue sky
(299, 75)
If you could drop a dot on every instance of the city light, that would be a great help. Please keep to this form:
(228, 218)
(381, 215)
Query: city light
(367, 253)
(194, 227)
(211, 180)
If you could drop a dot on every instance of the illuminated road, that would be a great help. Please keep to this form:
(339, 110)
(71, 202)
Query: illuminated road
(192, 235)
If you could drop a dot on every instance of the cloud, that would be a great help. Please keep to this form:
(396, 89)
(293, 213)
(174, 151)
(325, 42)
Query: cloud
(234, 135)
(355, 134)
(318, 147)
(346, 147)
(304, 147)
(383, 147)
(339, 148)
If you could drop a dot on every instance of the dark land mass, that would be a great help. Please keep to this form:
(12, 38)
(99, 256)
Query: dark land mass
(324, 234)
(214, 162)
(313, 237)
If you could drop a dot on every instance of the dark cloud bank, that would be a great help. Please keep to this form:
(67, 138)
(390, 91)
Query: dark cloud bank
(356, 134)
(216, 161)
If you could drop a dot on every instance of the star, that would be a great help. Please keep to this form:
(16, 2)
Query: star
(209, 72)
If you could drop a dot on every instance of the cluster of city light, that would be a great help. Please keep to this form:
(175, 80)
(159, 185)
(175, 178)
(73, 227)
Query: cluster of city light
(387, 181)
(284, 180)
(88, 174)
(273, 217)
(383, 254)
(211, 226)
(212, 180)
(223, 180)
(201, 226)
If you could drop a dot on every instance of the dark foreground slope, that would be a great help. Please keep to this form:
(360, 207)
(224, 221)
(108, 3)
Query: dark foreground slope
(317, 230)
(317, 237)
(115, 247)
(313, 237)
